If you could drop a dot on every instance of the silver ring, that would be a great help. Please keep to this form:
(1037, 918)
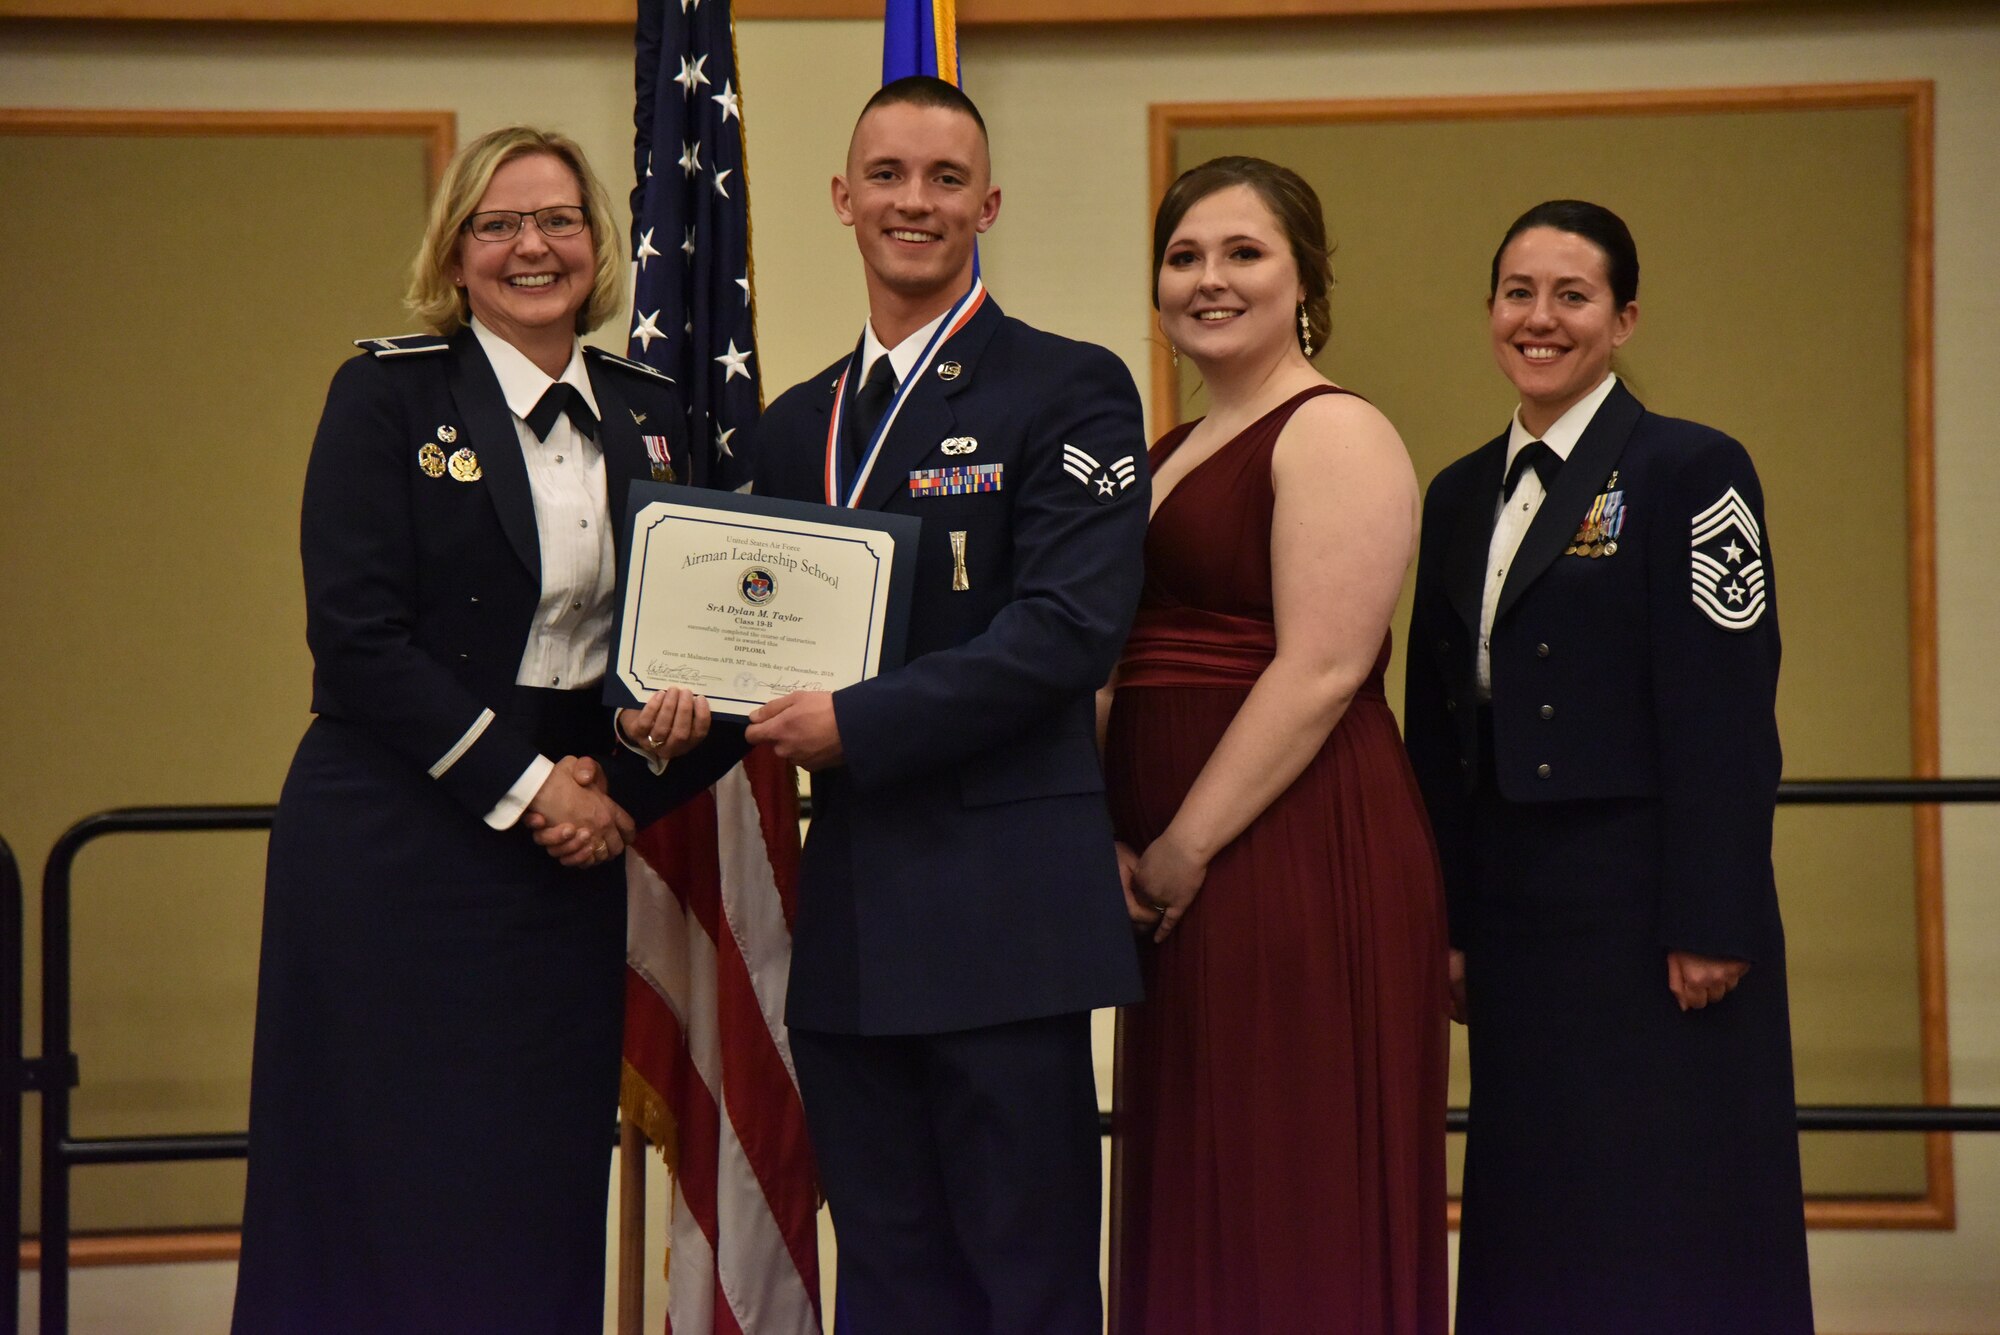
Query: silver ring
(1159, 908)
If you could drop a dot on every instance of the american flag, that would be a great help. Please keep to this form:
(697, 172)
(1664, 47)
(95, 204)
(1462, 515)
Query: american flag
(692, 313)
(713, 887)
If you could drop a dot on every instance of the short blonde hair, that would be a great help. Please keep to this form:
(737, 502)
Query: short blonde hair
(439, 302)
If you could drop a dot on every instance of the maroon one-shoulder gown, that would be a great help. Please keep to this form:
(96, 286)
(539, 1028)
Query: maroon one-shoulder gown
(1278, 1142)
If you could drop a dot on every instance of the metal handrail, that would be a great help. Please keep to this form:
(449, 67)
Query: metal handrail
(55, 1072)
(12, 1005)
(1886, 792)
(61, 1151)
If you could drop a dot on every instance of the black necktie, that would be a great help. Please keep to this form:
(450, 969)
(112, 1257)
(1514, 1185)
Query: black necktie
(870, 402)
(1536, 455)
(558, 399)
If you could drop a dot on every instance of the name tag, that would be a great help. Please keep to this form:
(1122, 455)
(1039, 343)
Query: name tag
(958, 481)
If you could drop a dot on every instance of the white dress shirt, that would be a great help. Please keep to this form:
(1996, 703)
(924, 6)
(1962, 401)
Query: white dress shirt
(1512, 516)
(569, 643)
(902, 357)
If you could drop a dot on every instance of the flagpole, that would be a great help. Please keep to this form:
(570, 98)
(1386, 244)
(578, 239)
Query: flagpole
(631, 1227)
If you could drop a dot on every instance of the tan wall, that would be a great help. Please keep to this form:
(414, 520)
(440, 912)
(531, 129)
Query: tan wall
(1068, 114)
(149, 533)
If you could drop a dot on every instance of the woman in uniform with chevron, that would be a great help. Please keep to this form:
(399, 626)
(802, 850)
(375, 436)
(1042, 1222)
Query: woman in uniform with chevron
(1593, 673)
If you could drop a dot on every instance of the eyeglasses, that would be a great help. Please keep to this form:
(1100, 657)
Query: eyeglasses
(505, 224)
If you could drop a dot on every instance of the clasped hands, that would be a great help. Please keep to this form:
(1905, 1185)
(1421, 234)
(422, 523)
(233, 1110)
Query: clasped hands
(1160, 884)
(573, 817)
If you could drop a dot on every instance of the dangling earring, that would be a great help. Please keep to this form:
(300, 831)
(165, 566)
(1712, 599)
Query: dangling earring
(1305, 331)
(1176, 355)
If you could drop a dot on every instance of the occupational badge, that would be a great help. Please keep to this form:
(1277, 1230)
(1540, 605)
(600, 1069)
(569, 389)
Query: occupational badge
(1104, 482)
(1728, 553)
(447, 434)
(464, 465)
(1598, 534)
(950, 370)
(959, 445)
(638, 418)
(431, 459)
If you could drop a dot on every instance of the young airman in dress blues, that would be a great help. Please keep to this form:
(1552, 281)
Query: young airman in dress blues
(959, 904)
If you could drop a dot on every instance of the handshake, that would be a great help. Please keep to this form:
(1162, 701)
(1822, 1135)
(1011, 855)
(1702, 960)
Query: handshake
(572, 815)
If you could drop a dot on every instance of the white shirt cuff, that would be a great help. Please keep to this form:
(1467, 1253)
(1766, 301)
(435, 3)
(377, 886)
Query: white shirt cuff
(657, 765)
(515, 800)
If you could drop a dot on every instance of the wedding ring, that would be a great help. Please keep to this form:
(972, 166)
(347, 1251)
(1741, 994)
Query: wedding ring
(652, 741)
(603, 849)
(1158, 907)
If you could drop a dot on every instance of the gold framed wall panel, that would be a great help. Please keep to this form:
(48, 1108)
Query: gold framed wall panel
(438, 129)
(215, 498)
(1913, 102)
(618, 13)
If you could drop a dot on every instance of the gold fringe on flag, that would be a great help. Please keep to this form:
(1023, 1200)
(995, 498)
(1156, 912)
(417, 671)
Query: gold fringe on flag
(643, 1106)
(944, 27)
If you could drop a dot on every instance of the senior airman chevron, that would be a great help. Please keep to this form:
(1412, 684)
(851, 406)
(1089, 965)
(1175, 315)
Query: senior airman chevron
(1104, 481)
(1728, 573)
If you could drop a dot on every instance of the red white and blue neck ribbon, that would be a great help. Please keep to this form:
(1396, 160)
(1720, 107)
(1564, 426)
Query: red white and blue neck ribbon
(954, 320)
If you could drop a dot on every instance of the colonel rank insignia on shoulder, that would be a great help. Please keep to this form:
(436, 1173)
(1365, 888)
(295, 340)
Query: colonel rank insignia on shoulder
(1729, 563)
(403, 345)
(625, 363)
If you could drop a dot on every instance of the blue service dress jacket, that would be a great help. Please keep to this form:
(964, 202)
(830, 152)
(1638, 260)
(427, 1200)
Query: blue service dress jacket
(1637, 662)
(422, 564)
(1630, 1166)
(959, 869)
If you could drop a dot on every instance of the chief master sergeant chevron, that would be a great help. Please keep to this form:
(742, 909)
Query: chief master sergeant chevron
(960, 913)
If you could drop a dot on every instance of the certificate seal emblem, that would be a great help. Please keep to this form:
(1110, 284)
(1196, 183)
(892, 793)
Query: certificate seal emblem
(431, 459)
(759, 586)
(464, 465)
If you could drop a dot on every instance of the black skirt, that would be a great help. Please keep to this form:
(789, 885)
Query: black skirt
(435, 1083)
(1629, 1167)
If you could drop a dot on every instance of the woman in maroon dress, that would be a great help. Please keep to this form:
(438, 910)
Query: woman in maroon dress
(1278, 1155)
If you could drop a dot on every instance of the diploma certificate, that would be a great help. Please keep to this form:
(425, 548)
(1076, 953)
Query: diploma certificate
(745, 598)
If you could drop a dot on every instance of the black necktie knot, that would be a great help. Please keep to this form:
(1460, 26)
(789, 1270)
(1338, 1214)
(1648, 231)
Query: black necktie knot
(1536, 455)
(558, 399)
